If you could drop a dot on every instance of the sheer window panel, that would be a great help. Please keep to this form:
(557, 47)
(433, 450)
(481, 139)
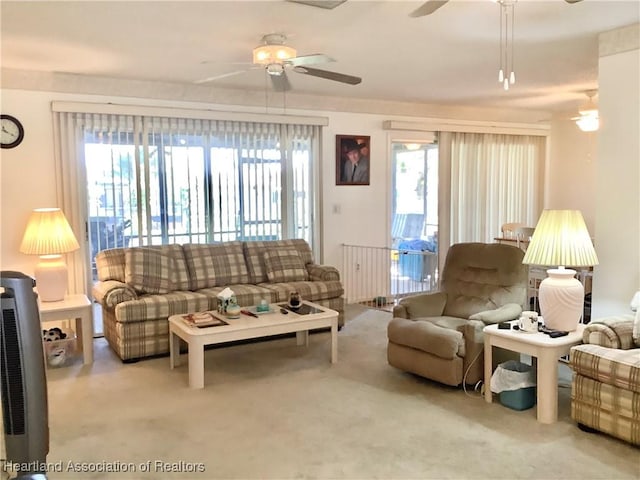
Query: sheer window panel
(494, 179)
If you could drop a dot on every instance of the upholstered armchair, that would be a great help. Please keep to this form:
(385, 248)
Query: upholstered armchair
(439, 335)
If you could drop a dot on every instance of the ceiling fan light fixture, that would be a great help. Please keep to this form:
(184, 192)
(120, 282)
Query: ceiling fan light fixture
(268, 54)
(589, 121)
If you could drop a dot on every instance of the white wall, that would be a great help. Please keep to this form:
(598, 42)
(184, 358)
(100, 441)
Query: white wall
(26, 172)
(617, 192)
(27, 176)
(571, 172)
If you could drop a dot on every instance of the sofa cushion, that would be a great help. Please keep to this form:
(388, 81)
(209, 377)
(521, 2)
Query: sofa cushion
(311, 291)
(111, 264)
(216, 264)
(152, 307)
(254, 254)
(148, 270)
(181, 274)
(284, 265)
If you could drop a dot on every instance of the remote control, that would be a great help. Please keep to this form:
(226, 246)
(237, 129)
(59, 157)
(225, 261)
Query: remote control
(556, 334)
(284, 311)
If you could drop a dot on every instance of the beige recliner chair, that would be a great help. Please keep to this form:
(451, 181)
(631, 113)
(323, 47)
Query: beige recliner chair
(439, 335)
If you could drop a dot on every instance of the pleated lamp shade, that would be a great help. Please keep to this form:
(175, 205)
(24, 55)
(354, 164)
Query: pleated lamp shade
(561, 239)
(49, 235)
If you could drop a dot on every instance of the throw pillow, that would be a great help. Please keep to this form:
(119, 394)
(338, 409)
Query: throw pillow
(148, 270)
(284, 265)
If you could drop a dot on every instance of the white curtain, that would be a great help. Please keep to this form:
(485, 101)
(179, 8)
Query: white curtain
(495, 179)
(71, 193)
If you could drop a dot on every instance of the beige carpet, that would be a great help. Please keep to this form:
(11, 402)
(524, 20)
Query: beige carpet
(272, 410)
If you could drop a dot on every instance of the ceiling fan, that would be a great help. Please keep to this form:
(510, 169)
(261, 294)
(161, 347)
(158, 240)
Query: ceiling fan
(588, 121)
(427, 7)
(431, 6)
(276, 57)
(327, 4)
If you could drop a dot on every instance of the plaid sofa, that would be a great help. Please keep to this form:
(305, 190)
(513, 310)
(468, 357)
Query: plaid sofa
(605, 390)
(139, 288)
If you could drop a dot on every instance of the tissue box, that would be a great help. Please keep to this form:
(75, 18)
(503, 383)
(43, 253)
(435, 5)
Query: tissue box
(60, 353)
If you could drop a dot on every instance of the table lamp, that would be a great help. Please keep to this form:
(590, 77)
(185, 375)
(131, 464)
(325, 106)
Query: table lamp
(49, 235)
(561, 238)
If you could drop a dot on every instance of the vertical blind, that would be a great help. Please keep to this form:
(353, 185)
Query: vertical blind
(150, 180)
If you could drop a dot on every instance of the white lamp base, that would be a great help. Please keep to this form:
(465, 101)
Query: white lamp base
(561, 297)
(51, 278)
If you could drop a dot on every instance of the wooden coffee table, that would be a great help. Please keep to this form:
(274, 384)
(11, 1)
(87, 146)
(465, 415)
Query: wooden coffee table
(243, 328)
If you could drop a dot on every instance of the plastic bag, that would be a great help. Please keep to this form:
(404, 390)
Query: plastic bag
(512, 375)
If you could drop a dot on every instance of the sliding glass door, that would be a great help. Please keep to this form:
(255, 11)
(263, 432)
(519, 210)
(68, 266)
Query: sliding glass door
(414, 230)
(163, 188)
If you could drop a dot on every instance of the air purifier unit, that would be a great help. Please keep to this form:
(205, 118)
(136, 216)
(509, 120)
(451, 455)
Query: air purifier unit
(23, 382)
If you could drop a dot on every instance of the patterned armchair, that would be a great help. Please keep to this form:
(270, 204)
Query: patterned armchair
(605, 390)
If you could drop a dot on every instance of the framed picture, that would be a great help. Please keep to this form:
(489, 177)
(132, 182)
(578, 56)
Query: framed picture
(352, 159)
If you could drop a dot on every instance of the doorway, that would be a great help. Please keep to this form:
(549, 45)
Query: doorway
(414, 227)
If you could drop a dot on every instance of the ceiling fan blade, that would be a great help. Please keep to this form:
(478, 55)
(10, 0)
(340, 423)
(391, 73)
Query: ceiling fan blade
(336, 77)
(572, 1)
(280, 82)
(218, 77)
(312, 59)
(427, 8)
(328, 4)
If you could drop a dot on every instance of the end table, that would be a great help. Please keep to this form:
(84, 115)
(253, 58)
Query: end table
(545, 349)
(77, 307)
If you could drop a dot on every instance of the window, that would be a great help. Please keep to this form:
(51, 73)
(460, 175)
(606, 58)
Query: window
(154, 181)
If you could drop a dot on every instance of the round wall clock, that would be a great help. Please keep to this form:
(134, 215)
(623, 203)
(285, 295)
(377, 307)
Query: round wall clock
(12, 131)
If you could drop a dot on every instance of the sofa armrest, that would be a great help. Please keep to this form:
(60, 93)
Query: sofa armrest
(421, 305)
(322, 273)
(112, 292)
(508, 311)
(611, 332)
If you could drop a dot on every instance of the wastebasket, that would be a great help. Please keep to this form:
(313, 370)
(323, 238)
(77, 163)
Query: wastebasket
(516, 383)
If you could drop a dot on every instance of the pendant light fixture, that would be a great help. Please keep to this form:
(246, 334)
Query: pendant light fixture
(506, 74)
